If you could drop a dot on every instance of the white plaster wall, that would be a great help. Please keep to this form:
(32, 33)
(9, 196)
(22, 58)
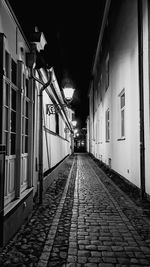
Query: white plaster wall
(123, 52)
(8, 26)
(57, 149)
(124, 74)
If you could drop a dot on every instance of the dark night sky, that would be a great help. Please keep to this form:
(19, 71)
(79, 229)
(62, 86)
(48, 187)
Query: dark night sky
(71, 29)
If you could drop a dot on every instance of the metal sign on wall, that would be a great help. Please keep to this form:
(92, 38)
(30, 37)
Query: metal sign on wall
(53, 109)
(66, 130)
(50, 109)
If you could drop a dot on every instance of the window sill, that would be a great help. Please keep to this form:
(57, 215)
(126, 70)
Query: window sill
(15, 202)
(121, 139)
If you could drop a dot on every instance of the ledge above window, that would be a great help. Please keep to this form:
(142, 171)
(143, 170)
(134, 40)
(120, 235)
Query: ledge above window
(121, 139)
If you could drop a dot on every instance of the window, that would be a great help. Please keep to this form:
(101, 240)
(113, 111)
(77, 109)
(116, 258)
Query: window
(122, 113)
(7, 65)
(25, 119)
(107, 72)
(15, 115)
(10, 96)
(13, 122)
(13, 72)
(107, 125)
(27, 87)
(66, 131)
(57, 123)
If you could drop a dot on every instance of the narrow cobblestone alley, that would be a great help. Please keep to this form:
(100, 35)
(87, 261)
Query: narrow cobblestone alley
(85, 220)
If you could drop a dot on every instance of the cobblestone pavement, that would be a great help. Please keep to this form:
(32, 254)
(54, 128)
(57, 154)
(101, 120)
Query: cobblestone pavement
(85, 220)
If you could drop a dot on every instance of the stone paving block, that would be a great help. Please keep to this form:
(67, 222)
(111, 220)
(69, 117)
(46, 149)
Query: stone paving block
(107, 265)
(108, 254)
(72, 244)
(91, 265)
(81, 247)
(47, 248)
(104, 248)
(93, 236)
(109, 259)
(42, 263)
(84, 242)
(63, 254)
(81, 238)
(104, 238)
(119, 248)
(131, 248)
(91, 247)
(82, 260)
(107, 243)
(95, 260)
(72, 265)
(123, 260)
(44, 256)
(72, 251)
(83, 253)
(96, 253)
(146, 250)
(139, 254)
(134, 261)
(72, 258)
(96, 242)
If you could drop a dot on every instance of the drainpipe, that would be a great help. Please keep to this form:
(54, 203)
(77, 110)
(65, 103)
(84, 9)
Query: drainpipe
(141, 97)
(59, 101)
(44, 86)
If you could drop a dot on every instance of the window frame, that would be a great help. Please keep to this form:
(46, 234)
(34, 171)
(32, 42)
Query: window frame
(122, 101)
(10, 111)
(107, 128)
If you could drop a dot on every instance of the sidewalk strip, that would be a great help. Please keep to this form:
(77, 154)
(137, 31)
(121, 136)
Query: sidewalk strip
(74, 220)
(52, 232)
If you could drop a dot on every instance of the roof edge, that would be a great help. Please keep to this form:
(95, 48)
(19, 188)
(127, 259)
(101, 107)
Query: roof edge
(106, 11)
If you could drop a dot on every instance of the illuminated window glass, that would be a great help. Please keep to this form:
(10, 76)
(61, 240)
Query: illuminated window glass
(107, 125)
(122, 113)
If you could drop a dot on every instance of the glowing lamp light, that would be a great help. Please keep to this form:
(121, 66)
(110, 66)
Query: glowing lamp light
(74, 123)
(68, 93)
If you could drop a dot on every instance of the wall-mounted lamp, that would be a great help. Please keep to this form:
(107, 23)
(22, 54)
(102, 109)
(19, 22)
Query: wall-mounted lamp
(68, 93)
(55, 108)
(74, 123)
(75, 131)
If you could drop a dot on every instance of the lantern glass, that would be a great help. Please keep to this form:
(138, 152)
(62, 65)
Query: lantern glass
(74, 123)
(68, 93)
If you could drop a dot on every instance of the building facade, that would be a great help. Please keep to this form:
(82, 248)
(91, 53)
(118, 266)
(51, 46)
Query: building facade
(119, 118)
(32, 139)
